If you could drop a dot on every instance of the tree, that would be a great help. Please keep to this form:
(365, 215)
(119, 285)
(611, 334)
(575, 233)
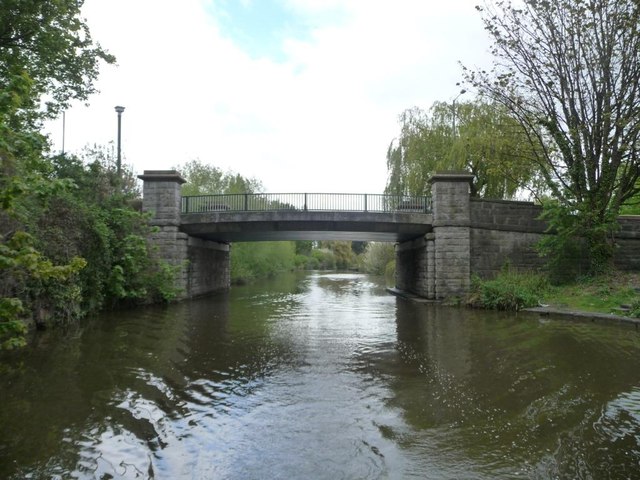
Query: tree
(47, 58)
(341, 249)
(487, 142)
(51, 44)
(205, 179)
(569, 72)
(379, 257)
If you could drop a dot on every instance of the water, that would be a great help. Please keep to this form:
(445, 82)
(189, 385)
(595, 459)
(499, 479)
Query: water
(322, 376)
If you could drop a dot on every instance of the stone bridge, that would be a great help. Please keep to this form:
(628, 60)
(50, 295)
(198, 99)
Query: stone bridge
(440, 241)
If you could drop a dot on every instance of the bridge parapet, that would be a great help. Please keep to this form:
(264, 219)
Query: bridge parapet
(307, 202)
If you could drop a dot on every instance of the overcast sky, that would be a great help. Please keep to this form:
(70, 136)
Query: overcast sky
(302, 94)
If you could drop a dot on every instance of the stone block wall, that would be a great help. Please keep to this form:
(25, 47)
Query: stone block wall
(208, 268)
(452, 261)
(506, 215)
(627, 252)
(504, 232)
(414, 271)
(203, 266)
(170, 245)
(492, 249)
(451, 220)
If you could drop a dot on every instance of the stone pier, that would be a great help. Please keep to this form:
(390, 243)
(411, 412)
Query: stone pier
(203, 265)
(438, 265)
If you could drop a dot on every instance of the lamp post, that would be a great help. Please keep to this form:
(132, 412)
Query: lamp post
(454, 110)
(119, 110)
(64, 121)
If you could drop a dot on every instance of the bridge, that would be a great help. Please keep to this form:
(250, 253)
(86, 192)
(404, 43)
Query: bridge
(196, 233)
(305, 216)
(440, 241)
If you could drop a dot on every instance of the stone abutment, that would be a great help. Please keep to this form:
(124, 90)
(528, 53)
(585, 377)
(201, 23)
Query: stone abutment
(202, 265)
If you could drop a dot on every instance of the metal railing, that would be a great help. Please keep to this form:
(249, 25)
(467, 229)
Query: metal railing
(307, 202)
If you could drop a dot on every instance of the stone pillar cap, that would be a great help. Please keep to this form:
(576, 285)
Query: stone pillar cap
(162, 176)
(451, 177)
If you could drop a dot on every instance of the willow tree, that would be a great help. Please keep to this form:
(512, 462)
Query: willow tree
(479, 137)
(569, 71)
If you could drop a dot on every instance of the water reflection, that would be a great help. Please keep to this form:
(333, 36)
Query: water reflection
(322, 376)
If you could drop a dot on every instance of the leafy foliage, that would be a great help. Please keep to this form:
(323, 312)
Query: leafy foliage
(478, 137)
(378, 256)
(258, 260)
(343, 255)
(205, 179)
(48, 43)
(510, 290)
(47, 58)
(568, 71)
(74, 249)
(248, 260)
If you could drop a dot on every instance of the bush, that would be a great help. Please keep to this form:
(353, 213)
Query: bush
(510, 290)
(634, 311)
(378, 256)
(325, 258)
(261, 259)
(306, 262)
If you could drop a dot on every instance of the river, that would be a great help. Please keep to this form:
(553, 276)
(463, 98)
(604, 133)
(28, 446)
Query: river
(322, 376)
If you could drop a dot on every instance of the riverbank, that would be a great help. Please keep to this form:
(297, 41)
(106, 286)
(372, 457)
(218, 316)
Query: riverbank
(616, 293)
(613, 298)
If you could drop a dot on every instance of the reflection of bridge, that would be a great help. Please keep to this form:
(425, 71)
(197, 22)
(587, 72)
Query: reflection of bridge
(305, 216)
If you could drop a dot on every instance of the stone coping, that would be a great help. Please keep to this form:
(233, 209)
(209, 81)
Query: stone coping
(586, 316)
(451, 177)
(162, 176)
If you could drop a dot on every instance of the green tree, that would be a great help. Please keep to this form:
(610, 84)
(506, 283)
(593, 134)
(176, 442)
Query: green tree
(378, 256)
(206, 179)
(342, 252)
(358, 247)
(479, 137)
(47, 59)
(304, 247)
(50, 43)
(569, 71)
(248, 260)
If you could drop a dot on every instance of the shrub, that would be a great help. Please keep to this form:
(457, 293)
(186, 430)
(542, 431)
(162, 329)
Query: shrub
(325, 258)
(378, 256)
(634, 311)
(510, 290)
(261, 259)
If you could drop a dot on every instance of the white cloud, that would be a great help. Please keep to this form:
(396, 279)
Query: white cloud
(319, 121)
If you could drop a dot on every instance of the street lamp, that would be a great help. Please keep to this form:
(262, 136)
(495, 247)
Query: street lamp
(454, 110)
(119, 110)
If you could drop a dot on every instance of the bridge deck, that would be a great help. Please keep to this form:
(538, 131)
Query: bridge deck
(306, 216)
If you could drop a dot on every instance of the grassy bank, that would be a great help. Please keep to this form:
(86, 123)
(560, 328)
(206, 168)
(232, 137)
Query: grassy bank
(617, 292)
(613, 293)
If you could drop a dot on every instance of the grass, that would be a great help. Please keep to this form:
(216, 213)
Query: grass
(618, 292)
(604, 294)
